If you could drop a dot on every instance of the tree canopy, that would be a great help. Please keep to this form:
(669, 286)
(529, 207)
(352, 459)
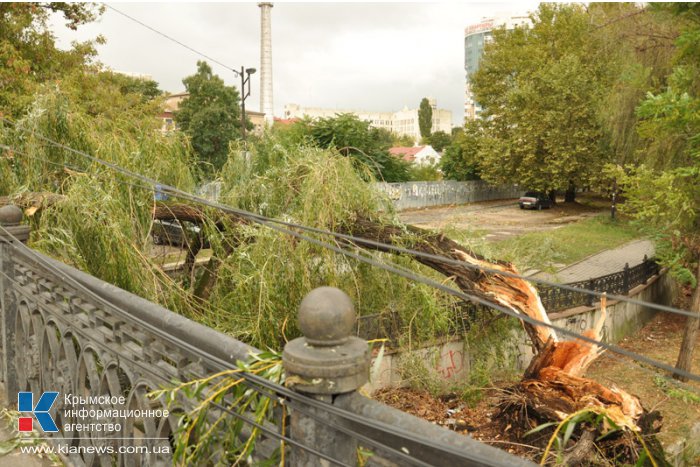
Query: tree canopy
(539, 90)
(439, 140)
(460, 161)
(367, 146)
(210, 116)
(28, 53)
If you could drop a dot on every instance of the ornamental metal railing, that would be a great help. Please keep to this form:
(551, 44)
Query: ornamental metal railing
(87, 356)
(390, 325)
(619, 283)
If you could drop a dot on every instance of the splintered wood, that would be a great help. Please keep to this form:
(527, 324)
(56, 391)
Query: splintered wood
(554, 379)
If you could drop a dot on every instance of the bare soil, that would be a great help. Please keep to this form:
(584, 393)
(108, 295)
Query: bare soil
(502, 218)
(659, 339)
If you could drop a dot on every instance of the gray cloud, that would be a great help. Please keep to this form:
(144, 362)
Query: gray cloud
(376, 56)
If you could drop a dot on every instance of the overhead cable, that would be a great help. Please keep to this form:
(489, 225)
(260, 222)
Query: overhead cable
(263, 220)
(170, 38)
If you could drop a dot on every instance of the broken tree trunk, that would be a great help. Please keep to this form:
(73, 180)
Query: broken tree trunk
(553, 386)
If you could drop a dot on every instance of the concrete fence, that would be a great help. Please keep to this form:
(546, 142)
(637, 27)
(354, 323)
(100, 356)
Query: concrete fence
(411, 195)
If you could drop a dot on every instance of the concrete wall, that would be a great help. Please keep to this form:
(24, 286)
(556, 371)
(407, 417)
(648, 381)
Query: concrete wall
(449, 361)
(411, 195)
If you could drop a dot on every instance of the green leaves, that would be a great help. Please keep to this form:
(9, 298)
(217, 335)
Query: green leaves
(425, 118)
(539, 89)
(460, 160)
(28, 53)
(664, 193)
(366, 146)
(210, 116)
(202, 439)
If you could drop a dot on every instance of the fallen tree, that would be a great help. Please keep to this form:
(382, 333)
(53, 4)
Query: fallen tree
(552, 389)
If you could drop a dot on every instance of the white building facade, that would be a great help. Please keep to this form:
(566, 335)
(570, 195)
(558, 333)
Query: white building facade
(402, 122)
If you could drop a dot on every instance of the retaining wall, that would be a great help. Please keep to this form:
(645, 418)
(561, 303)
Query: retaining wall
(449, 361)
(410, 195)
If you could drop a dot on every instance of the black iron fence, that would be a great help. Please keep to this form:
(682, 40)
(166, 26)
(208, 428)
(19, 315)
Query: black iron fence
(104, 350)
(619, 283)
(390, 325)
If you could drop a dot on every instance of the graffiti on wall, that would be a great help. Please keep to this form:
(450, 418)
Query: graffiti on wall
(450, 363)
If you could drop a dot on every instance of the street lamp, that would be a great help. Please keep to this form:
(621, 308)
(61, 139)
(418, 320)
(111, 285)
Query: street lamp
(245, 78)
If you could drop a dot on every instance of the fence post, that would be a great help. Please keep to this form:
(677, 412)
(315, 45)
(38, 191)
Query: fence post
(626, 278)
(591, 298)
(10, 218)
(326, 362)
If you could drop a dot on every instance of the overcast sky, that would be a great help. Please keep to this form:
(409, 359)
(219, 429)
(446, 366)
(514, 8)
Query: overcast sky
(373, 56)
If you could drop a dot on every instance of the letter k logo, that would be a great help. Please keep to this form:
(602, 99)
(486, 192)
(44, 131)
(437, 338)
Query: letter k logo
(25, 403)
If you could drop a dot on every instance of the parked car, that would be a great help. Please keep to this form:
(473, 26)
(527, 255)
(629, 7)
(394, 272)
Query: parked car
(535, 200)
(175, 233)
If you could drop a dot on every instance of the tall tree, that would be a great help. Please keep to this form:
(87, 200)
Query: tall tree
(638, 46)
(210, 116)
(539, 90)
(425, 118)
(28, 52)
(664, 193)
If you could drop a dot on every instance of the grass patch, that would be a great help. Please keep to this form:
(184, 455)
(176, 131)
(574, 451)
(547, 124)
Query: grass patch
(565, 245)
(684, 395)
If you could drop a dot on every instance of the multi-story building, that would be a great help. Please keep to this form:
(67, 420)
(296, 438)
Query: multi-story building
(475, 38)
(401, 122)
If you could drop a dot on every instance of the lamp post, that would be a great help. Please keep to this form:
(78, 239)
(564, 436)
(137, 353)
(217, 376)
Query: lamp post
(245, 78)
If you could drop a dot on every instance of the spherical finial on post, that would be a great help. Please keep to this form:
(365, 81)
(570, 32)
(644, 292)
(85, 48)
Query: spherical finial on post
(327, 360)
(10, 218)
(10, 215)
(326, 316)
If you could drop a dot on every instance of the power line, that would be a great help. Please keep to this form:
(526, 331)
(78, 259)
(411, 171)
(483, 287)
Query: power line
(170, 38)
(263, 220)
(407, 274)
(120, 182)
(471, 298)
(252, 379)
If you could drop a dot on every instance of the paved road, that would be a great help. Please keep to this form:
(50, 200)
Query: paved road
(605, 262)
(499, 219)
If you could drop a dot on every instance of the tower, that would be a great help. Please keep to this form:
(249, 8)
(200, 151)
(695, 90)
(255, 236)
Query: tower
(266, 62)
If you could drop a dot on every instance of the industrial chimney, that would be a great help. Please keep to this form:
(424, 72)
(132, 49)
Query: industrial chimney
(266, 62)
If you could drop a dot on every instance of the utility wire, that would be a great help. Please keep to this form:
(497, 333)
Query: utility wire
(263, 220)
(216, 361)
(149, 370)
(261, 381)
(149, 187)
(170, 38)
(459, 294)
(416, 278)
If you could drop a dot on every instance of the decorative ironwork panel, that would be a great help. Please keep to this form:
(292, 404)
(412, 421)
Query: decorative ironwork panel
(75, 343)
(618, 283)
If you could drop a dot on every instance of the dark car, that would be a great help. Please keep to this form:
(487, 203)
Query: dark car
(534, 200)
(175, 233)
